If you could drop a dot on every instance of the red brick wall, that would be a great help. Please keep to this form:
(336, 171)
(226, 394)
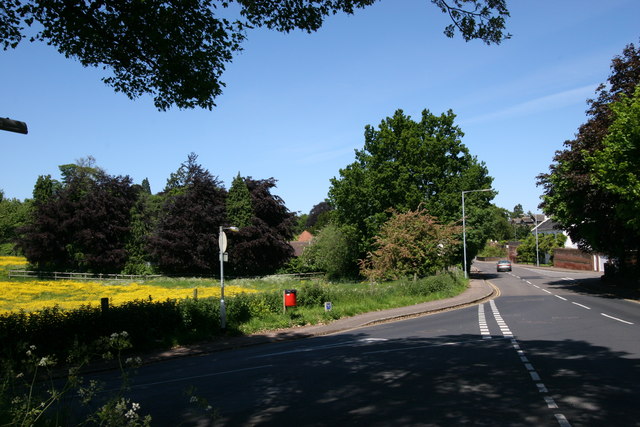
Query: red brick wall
(574, 259)
(512, 251)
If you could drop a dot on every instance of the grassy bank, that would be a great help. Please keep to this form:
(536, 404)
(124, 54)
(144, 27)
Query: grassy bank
(161, 313)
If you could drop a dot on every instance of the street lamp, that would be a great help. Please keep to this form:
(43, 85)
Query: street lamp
(222, 243)
(13, 125)
(537, 251)
(464, 231)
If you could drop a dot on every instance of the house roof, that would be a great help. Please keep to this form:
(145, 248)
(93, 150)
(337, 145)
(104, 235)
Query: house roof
(548, 226)
(529, 220)
(305, 236)
(298, 247)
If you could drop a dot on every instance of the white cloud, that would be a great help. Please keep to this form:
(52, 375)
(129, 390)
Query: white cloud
(545, 103)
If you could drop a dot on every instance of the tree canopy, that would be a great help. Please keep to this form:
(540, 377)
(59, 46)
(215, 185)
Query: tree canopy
(405, 164)
(239, 208)
(263, 246)
(13, 215)
(177, 50)
(616, 167)
(83, 225)
(590, 186)
(184, 240)
(94, 222)
(319, 216)
(334, 251)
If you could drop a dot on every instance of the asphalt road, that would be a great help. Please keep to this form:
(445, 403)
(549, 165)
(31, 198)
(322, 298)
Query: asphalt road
(544, 352)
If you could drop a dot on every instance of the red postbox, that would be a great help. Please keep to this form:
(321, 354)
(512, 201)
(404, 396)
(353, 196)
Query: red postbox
(289, 297)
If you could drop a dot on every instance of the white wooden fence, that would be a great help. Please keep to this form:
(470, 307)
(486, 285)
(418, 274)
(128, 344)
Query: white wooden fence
(58, 275)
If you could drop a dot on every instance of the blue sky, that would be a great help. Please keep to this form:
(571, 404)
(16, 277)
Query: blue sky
(296, 104)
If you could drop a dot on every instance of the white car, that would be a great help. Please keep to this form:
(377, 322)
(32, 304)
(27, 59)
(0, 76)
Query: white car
(503, 265)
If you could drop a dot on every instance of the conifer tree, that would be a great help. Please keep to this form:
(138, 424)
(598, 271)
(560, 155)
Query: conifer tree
(239, 208)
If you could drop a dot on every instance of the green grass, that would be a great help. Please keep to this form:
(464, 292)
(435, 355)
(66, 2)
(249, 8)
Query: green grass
(180, 321)
(350, 299)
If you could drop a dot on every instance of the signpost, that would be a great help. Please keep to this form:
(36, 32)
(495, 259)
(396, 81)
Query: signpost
(224, 257)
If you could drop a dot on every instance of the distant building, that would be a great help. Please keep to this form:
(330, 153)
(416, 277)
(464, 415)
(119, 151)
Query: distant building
(570, 256)
(549, 226)
(530, 220)
(304, 240)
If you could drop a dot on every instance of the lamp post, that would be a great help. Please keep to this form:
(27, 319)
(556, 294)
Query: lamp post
(464, 231)
(13, 126)
(222, 243)
(537, 252)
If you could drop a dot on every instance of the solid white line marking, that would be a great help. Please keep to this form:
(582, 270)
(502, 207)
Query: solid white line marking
(173, 380)
(580, 305)
(482, 321)
(562, 420)
(393, 350)
(558, 296)
(615, 318)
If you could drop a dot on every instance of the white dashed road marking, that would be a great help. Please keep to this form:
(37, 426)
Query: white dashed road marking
(506, 332)
(615, 318)
(482, 321)
(580, 305)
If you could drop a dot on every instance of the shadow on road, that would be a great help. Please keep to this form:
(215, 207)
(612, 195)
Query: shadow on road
(451, 380)
(596, 287)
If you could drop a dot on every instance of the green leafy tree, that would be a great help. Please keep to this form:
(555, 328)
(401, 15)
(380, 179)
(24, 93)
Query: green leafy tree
(319, 217)
(334, 251)
(13, 215)
(547, 244)
(518, 211)
(44, 188)
(301, 223)
(499, 228)
(616, 166)
(239, 208)
(144, 219)
(575, 193)
(177, 50)
(146, 187)
(411, 244)
(405, 164)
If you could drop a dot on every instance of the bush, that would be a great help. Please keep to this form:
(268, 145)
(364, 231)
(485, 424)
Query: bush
(493, 250)
(313, 294)
(334, 251)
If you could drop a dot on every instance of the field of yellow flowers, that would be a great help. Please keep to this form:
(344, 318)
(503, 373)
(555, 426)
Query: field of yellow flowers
(33, 295)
